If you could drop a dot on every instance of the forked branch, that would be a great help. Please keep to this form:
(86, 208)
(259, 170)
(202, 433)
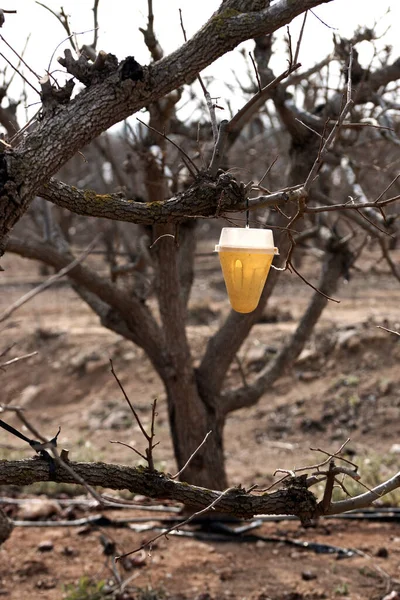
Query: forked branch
(294, 499)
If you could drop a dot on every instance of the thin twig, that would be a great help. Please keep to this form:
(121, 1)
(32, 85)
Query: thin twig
(73, 35)
(25, 127)
(138, 421)
(386, 254)
(210, 105)
(149, 437)
(58, 460)
(260, 96)
(241, 371)
(19, 57)
(313, 480)
(219, 146)
(256, 72)
(175, 527)
(20, 73)
(62, 19)
(128, 446)
(196, 169)
(364, 216)
(6, 350)
(46, 284)
(387, 188)
(323, 22)
(95, 23)
(266, 173)
(350, 205)
(191, 456)
(17, 359)
(77, 477)
(311, 285)
(308, 127)
(333, 134)
(159, 238)
(289, 40)
(297, 51)
(388, 330)
(9, 82)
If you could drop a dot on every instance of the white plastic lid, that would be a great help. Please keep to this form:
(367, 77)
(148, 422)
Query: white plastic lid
(248, 238)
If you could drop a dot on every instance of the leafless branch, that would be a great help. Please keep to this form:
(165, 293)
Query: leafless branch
(218, 152)
(293, 268)
(62, 18)
(17, 359)
(388, 330)
(297, 51)
(49, 282)
(256, 72)
(20, 57)
(210, 105)
(188, 160)
(148, 436)
(330, 140)
(149, 35)
(178, 525)
(95, 23)
(191, 457)
(257, 98)
(20, 73)
(234, 501)
(50, 447)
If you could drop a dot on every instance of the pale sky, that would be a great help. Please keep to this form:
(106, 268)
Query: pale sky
(119, 21)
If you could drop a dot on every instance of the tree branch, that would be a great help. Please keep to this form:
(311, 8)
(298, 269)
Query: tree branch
(202, 199)
(237, 502)
(333, 268)
(72, 126)
(293, 499)
(144, 330)
(366, 499)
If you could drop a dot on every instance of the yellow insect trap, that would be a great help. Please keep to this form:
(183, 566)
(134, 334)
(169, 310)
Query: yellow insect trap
(245, 256)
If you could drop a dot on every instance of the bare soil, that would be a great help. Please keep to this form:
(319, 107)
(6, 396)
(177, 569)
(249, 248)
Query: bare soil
(345, 384)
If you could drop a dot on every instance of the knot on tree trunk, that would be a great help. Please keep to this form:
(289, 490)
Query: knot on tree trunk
(86, 71)
(53, 96)
(226, 192)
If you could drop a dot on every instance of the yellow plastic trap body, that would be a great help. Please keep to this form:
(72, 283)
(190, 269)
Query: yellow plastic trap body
(245, 256)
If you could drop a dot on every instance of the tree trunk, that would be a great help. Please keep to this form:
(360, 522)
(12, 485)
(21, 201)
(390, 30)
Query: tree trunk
(190, 420)
(191, 416)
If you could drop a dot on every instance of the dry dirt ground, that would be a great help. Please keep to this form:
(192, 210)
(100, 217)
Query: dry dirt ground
(345, 384)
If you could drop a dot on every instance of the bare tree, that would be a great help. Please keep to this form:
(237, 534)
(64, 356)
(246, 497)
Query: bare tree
(323, 135)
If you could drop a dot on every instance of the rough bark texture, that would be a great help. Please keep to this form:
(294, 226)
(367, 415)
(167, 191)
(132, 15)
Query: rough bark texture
(295, 500)
(206, 197)
(68, 127)
(190, 417)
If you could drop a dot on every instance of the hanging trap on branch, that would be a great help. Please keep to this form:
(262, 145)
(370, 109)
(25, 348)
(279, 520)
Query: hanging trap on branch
(245, 256)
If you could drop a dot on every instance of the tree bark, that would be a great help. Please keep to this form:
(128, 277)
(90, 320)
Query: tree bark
(190, 420)
(190, 417)
(106, 101)
(293, 500)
